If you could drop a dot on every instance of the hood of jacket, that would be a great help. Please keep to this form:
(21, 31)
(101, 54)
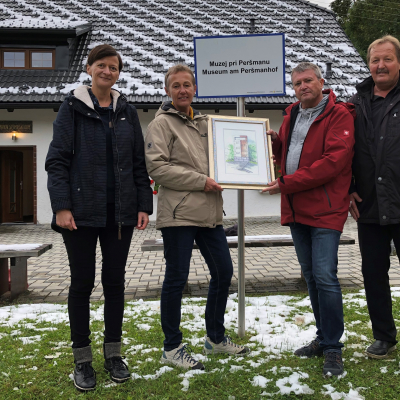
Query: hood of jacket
(328, 107)
(168, 108)
(81, 93)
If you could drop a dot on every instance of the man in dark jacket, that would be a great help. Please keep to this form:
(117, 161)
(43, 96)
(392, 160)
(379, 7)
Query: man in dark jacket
(314, 149)
(375, 193)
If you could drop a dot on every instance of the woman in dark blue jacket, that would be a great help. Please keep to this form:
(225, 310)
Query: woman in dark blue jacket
(99, 189)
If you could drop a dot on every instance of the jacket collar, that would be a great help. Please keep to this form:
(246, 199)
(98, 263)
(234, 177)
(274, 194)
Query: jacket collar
(364, 88)
(328, 106)
(82, 94)
(167, 107)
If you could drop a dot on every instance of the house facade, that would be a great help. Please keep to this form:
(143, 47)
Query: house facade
(44, 47)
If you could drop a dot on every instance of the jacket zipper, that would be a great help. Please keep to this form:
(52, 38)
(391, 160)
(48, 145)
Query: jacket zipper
(119, 174)
(291, 206)
(287, 151)
(178, 205)
(327, 196)
(119, 177)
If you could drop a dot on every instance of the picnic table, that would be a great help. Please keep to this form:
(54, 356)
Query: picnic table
(16, 279)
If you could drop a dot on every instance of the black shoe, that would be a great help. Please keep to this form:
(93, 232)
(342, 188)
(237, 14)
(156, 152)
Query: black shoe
(117, 368)
(380, 349)
(311, 350)
(84, 376)
(333, 364)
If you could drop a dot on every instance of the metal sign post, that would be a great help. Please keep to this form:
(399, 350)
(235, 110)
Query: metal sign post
(241, 264)
(235, 66)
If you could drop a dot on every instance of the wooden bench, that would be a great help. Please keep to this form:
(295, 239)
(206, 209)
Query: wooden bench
(18, 255)
(249, 241)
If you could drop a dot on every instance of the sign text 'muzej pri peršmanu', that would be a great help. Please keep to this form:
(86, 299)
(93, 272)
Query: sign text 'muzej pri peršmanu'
(245, 65)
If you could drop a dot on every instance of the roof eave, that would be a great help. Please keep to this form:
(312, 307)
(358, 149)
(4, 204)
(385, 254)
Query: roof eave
(149, 106)
(317, 6)
(69, 32)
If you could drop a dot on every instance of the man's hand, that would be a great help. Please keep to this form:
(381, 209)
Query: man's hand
(212, 186)
(273, 134)
(143, 220)
(353, 206)
(273, 187)
(65, 220)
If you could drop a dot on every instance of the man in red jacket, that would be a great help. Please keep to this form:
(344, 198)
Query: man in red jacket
(314, 148)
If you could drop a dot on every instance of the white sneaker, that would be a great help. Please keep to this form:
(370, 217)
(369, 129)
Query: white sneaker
(226, 346)
(181, 358)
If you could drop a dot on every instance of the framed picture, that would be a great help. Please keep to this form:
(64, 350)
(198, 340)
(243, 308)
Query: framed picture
(240, 152)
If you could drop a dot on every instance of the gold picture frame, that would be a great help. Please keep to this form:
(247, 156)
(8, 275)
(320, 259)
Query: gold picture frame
(240, 152)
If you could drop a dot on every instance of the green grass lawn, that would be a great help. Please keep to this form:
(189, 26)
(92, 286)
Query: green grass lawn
(36, 359)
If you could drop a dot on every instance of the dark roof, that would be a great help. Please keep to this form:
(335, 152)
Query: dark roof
(152, 35)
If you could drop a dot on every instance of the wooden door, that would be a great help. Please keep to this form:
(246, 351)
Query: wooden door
(11, 186)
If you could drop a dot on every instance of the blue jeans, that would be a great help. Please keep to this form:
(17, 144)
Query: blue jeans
(178, 246)
(317, 252)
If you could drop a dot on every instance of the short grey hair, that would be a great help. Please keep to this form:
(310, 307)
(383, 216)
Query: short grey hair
(304, 66)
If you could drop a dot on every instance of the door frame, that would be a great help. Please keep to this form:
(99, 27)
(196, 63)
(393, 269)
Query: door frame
(34, 168)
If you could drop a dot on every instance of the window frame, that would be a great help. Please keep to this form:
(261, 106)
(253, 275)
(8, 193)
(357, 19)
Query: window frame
(28, 58)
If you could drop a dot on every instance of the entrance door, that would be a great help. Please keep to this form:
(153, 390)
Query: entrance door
(11, 186)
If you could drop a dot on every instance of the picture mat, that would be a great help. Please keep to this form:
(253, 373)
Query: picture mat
(221, 171)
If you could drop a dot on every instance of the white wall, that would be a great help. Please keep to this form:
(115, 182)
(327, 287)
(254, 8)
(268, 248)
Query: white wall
(256, 204)
(41, 137)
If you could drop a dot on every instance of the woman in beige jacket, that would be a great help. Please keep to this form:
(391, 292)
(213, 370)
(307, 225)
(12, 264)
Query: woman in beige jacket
(189, 209)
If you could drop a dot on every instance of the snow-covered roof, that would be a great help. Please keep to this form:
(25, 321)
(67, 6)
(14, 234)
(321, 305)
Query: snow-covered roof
(28, 22)
(152, 35)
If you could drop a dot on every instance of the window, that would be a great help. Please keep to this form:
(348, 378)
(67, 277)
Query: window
(27, 59)
(41, 59)
(14, 59)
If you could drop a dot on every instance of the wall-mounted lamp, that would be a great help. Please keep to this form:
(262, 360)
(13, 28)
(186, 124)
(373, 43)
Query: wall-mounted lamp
(14, 136)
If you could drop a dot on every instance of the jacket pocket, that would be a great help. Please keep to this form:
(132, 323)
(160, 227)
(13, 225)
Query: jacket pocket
(327, 196)
(180, 203)
(185, 207)
(171, 201)
(312, 202)
(77, 201)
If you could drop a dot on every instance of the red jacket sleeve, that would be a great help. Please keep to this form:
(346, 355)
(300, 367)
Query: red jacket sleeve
(338, 152)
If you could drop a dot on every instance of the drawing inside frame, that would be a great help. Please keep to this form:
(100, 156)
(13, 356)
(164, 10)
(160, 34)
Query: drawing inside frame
(240, 152)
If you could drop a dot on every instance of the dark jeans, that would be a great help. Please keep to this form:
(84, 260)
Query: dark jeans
(374, 241)
(317, 252)
(178, 246)
(81, 249)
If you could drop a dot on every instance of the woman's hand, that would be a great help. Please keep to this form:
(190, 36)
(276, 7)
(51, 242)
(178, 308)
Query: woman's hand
(65, 220)
(143, 220)
(212, 186)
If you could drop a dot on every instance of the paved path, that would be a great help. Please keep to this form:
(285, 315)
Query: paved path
(267, 269)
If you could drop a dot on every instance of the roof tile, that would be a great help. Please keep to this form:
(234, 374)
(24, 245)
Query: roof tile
(152, 35)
